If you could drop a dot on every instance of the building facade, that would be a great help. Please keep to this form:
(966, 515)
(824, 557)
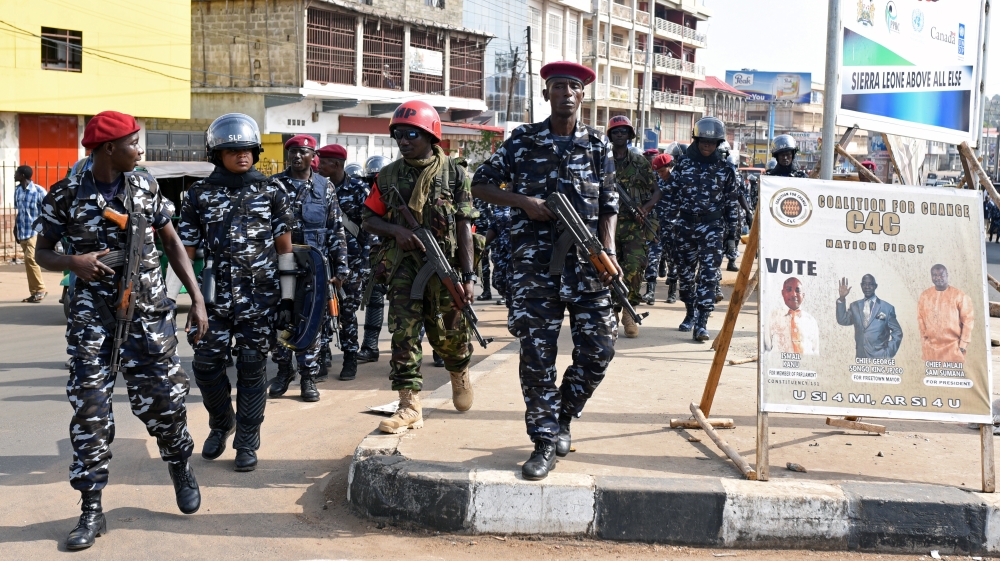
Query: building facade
(556, 34)
(334, 69)
(65, 62)
(624, 41)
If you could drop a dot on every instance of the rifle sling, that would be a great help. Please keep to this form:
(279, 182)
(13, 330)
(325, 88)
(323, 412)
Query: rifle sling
(351, 227)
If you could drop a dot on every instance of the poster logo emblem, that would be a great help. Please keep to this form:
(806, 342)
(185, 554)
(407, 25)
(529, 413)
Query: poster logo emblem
(961, 40)
(917, 19)
(890, 17)
(866, 12)
(791, 208)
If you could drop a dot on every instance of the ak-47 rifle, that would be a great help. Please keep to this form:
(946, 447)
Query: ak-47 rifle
(631, 206)
(134, 224)
(580, 235)
(438, 264)
(334, 297)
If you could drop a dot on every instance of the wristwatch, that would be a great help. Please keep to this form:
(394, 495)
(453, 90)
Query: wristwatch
(470, 277)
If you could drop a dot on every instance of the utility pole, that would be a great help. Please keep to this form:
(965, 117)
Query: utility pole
(755, 143)
(647, 87)
(531, 84)
(831, 94)
(513, 82)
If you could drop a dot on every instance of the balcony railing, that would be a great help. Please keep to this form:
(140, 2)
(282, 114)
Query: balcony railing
(676, 99)
(619, 52)
(676, 64)
(642, 18)
(676, 29)
(618, 93)
(621, 12)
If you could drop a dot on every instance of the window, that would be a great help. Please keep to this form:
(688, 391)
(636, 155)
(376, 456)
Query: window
(62, 49)
(618, 39)
(535, 22)
(617, 79)
(555, 34)
(572, 36)
(431, 3)
(331, 49)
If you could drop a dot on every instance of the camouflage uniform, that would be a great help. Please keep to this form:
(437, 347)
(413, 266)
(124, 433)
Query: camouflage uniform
(636, 177)
(247, 294)
(446, 328)
(665, 211)
(702, 195)
(500, 251)
(482, 223)
(156, 383)
(533, 162)
(734, 231)
(325, 233)
(351, 196)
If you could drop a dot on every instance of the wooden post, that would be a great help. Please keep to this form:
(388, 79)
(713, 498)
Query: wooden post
(892, 158)
(989, 470)
(733, 454)
(763, 447)
(729, 324)
(977, 171)
(844, 141)
(862, 170)
(853, 423)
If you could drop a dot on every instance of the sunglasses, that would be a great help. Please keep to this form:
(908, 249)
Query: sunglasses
(407, 134)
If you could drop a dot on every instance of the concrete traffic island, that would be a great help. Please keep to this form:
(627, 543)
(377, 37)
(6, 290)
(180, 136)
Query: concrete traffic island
(632, 478)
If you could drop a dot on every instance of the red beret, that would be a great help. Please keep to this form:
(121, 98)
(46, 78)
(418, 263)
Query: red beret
(301, 140)
(333, 151)
(662, 160)
(566, 69)
(869, 164)
(653, 151)
(107, 126)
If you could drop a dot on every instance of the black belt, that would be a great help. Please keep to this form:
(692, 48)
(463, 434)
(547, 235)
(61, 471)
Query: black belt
(701, 218)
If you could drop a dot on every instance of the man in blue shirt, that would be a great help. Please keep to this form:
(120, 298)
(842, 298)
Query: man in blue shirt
(28, 204)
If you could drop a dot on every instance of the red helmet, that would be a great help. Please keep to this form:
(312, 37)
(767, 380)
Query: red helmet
(418, 114)
(621, 121)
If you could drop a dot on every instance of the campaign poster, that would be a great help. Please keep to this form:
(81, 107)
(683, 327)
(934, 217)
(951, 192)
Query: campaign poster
(912, 67)
(873, 301)
(794, 87)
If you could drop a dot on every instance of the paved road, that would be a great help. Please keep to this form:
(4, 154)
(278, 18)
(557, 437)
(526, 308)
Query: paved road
(292, 507)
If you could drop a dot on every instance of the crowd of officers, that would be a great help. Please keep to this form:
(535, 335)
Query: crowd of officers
(673, 215)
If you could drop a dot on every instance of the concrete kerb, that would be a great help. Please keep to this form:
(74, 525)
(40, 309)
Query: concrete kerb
(709, 511)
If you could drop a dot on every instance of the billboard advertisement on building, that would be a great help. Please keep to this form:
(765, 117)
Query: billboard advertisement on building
(912, 68)
(795, 87)
(872, 302)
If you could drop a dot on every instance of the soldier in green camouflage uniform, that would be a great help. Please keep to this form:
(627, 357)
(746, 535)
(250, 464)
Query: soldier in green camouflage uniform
(635, 176)
(438, 194)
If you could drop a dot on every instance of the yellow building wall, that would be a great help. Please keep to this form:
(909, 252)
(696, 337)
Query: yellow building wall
(136, 57)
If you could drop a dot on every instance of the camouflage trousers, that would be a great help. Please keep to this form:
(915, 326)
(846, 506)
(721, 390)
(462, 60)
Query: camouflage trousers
(699, 255)
(500, 255)
(446, 328)
(484, 265)
(732, 241)
(349, 307)
(630, 245)
(536, 323)
(665, 249)
(308, 360)
(157, 387)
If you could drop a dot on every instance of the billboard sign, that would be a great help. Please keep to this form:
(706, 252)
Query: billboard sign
(873, 303)
(795, 87)
(912, 68)
(426, 61)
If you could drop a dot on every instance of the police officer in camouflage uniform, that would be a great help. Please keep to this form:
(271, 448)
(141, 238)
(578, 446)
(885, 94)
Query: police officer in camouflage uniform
(704, 188)
(559, 154)
(635, 175)
(482, 225)
(318, 224)
(498, 240)
(243, 220)
(435, 189)
(783, 150)
(373, 297)
(351, 194)
(157, 385)
(662, 166)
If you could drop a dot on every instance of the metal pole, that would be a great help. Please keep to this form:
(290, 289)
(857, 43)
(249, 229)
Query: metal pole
(831, 92)
(982, 78)
(755, 143)
(531, 83)
(647, 86)
(770, 122)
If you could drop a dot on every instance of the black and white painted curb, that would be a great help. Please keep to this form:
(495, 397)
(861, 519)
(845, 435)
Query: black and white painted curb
(385, 485)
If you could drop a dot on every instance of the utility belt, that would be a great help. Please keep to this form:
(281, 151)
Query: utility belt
(700, 218)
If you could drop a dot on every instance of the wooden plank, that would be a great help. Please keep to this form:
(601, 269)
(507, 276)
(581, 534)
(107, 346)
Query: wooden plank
(862, 170)
(844, 141)
(751, 287)
(989, 470)
(995, 309)
(892, 158)
(743, 361)
(729, 324)
(977, 171)
(717, 422)
(763, 447)
(993, 282)
(733, 454)
(855, 425)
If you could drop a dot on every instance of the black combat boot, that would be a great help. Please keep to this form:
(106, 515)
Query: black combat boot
(350, 369)
(718, 293)
(438, 361)
(250, 401)
(700, 327)
(374, 313)
(689, 318)
(307, 388)
(215, 394)
(732, 266)
(671, 292)
(564, 441)
(279, 385)
(650, 296)
(92, 522)
(325, 362)
(185, 487)
(541, 462)
(486, 295)
(663, 268)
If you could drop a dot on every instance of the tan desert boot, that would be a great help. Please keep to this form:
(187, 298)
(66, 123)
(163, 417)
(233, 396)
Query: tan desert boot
(461, 390)
(409, 415)
(631, 328)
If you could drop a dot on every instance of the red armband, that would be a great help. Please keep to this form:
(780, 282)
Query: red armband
(374, 201)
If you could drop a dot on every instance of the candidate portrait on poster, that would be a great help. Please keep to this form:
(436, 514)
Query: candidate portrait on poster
(946, 319)
(792, 329)
(877, 333)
